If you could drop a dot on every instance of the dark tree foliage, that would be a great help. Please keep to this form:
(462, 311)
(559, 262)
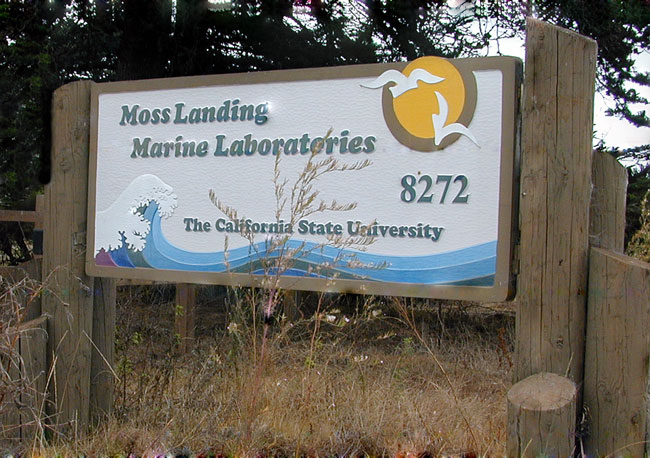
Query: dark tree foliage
(622, 30)
(27, 75)
(47, 43)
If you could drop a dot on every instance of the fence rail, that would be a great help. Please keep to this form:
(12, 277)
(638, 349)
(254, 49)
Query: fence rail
(35, 216)
(19, 216)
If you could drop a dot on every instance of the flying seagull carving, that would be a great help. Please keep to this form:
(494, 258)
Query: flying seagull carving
(402, 82)
(440, 119)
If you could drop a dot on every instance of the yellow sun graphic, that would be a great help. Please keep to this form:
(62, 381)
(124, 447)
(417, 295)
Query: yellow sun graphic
(414, 109)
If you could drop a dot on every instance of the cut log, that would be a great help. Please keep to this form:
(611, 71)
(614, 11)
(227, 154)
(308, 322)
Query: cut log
(541, 416)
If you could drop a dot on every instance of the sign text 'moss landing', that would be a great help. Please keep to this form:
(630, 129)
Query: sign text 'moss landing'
(185, 174)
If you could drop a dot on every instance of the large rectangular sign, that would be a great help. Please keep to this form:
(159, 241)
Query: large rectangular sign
(184, 178)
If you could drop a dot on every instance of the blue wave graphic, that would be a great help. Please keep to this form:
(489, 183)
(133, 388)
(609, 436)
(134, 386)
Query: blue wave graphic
(469, 266)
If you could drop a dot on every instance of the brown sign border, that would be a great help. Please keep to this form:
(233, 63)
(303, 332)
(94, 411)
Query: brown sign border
(503, 287)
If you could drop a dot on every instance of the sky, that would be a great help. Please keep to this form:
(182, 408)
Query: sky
(615, 132)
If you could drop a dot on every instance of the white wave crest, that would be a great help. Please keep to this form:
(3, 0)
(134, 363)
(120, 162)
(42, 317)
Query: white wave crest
(122, 218)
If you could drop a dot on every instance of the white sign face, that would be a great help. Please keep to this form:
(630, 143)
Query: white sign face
(435, 196)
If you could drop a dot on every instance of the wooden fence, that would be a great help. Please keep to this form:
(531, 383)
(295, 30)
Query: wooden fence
(23, 403)
(582, 306)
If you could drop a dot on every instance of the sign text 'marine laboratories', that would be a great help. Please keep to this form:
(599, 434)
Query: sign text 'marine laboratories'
(435, 197)
(229, 111)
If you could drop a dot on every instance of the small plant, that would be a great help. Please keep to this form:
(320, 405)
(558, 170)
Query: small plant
(639, 245)
(407, 347)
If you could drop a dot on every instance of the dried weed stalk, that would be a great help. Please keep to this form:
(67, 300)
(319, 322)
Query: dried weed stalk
(408, 318)
(300, 200)
(19, 399)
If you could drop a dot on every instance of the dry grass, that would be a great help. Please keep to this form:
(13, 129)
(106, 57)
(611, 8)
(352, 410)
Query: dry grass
(362, 384)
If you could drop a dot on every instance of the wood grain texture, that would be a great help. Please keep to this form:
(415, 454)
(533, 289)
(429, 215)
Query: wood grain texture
(33, 352)
(40, 211)
(554, 201)
(19, 216)
(608, 198)
(541, 416)
(102, 375)
(22, 410)
(10, 394)
(616, 357)
(70, 298)
(291, 303)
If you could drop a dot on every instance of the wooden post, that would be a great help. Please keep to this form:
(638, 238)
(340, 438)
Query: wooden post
(184, 316)
(554, 201)
(291, 304)
(39, 208)
(70, 302)
(72, 296)
(541, 417)
(616, 358)
(37, 235)
(9, 414)
(102, 379)
(33, 353)
(29, 273)
(607, 213)
(27, 369)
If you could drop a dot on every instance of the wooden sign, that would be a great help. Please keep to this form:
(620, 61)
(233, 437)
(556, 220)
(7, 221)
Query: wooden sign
(428, 202)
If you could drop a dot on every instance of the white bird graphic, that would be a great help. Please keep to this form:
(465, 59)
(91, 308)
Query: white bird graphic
(402, 82)
(439, 120)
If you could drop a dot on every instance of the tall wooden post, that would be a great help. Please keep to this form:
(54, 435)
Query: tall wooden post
(555, 191)
(71, 298)
(554, 201)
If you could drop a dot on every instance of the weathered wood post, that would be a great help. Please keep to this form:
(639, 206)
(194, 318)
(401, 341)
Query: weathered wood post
(543, 407)
(616, 362)
(618, 310)
(102, 377)
(291, 304)
(33, 345)
(554, 211)
(73, 295)
(608, 197)
(554, 200)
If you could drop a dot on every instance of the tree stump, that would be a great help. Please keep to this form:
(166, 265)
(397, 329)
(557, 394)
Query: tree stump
(542, 416)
